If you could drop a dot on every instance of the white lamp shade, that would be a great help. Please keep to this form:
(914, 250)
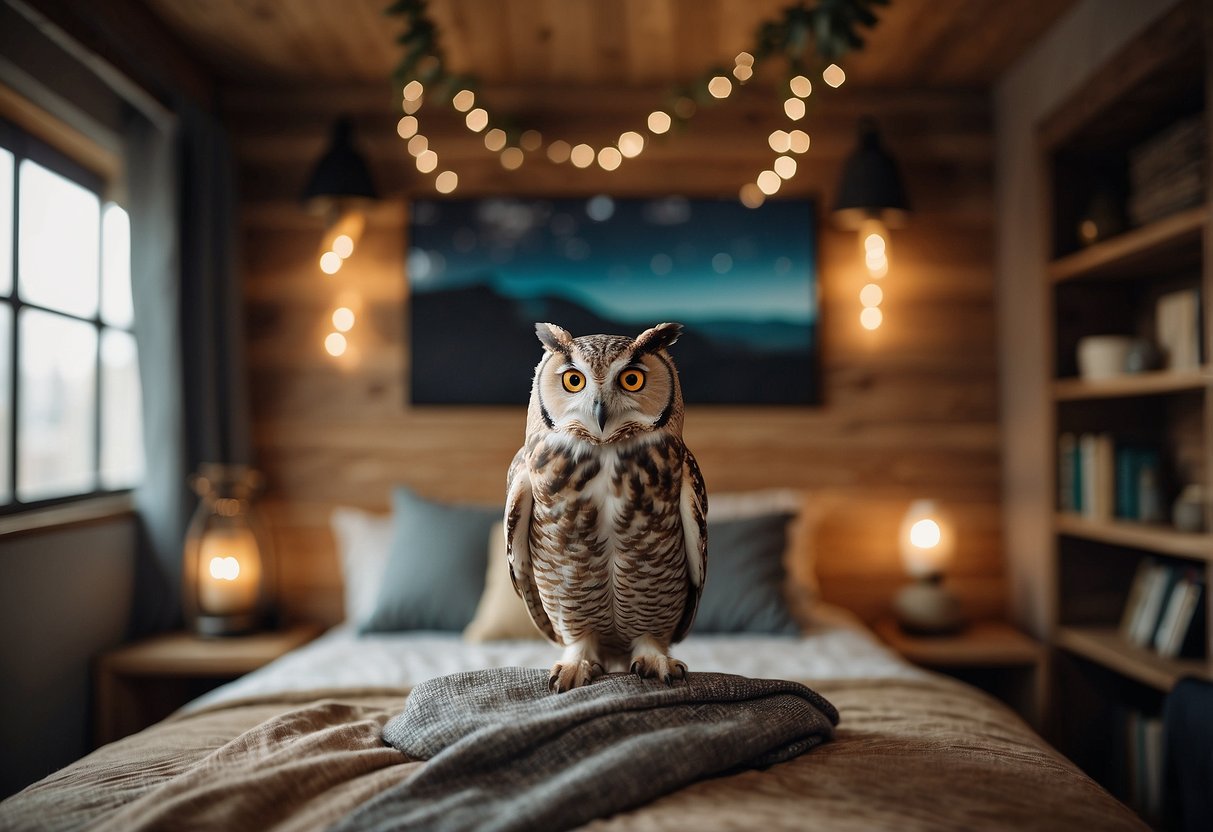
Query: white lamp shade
(926, 539)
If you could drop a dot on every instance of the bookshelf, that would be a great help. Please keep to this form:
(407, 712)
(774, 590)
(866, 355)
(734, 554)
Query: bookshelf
(1109, 271)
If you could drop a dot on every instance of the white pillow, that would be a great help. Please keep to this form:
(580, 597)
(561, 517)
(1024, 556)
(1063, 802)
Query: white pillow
(363, 543)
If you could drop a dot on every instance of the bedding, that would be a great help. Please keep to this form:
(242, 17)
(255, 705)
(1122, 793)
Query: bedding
(297, 746)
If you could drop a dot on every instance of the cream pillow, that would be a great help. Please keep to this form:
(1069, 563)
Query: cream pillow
(363, 540)
(501, 614)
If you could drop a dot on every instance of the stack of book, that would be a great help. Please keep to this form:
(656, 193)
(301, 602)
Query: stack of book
(1177, 325)
(1101, 479)
(1164, 600)
(1167, 172)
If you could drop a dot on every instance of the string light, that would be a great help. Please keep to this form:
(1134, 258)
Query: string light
(343, 246)
(343, 319)
(582, 156)
(335, 344)
(871, 317)
(511, 158)
(751, 195)
(411, 107)
(609, 158)
(794, 107)
(720, 87)
(413, 90)
(871, 295)
(330, 263)
(427, 161)
(494, 140)
(834, 76)
(779, 141)
(558, 151)
(801, 87)
(631, 144)
(406, 128)
(769, 182)
(418, 145)
(477, 120)
(446, 182)
(785, 166)
(743, 73)
(798, 141)
(531, 140)
(659, 122)
(463, 100)
(744, 59)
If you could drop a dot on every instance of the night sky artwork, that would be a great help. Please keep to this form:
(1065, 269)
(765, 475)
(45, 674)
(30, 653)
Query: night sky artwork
(743, 281)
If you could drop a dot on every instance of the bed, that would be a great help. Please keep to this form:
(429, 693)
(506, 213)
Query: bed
(297, 745)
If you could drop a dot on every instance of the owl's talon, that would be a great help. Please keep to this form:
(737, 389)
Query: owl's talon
(669, 680)
(635, 668)
(566, 676)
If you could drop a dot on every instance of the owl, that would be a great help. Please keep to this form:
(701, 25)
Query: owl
(605, 516)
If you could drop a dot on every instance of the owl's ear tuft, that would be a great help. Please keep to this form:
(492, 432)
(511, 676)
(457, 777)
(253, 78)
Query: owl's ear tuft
(554, 339)
(657, 339)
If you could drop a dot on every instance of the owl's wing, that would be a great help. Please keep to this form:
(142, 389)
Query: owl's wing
(518, 503)
(693, 506)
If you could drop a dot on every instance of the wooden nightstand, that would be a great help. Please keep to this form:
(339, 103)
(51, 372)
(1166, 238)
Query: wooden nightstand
(991, 655)
(141, 683)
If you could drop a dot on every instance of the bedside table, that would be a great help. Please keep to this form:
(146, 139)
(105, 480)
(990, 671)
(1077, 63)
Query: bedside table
(141, 683)
(991, 655)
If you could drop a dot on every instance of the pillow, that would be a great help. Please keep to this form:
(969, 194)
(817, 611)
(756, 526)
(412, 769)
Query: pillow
(747, 588)
(746, 582)
(501, 614)
(435, 568)
(363, 542)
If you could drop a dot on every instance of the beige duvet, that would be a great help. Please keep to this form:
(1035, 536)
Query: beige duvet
(909, 755)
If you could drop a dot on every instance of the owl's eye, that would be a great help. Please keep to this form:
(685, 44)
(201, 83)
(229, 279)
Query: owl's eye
(573, 380)
(631, 380)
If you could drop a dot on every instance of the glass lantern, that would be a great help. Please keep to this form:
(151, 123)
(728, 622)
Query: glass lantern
(227, 575)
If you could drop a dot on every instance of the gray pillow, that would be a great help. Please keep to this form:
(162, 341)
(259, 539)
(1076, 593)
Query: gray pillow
(744, 592)
(435, 570)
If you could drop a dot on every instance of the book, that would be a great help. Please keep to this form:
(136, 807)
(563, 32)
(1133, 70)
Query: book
(1137, 593)
(1177, 617)
(1145, 622)
(1067, 451)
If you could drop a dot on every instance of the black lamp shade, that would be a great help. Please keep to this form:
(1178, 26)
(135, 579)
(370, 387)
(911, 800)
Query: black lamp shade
(341, 173)
(871, 183)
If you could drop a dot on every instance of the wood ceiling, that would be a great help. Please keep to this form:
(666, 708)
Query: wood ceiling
(918, 43)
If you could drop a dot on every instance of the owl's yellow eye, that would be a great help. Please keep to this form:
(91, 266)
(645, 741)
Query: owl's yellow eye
(631, 379)
(573, 380)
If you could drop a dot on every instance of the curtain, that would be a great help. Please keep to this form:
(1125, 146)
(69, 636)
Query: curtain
(188, 324)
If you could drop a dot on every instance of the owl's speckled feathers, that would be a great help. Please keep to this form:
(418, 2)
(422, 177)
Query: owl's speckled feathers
(605, 516)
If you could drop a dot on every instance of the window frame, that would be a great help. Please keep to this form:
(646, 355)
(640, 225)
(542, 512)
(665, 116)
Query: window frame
(23, 146)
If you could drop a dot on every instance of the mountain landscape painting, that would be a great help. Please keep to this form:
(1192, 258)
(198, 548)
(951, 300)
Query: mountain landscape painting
(742, 281)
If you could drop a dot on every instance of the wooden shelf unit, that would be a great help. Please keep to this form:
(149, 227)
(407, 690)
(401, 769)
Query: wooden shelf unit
(1111, 286)
(1153, 383)
(1160, 539)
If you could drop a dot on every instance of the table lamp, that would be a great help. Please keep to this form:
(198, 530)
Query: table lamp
(926, 607)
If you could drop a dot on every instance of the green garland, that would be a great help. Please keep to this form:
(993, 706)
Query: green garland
(806, 35)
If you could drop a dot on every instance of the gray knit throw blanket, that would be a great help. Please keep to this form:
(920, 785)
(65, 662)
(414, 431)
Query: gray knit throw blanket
(505, 754)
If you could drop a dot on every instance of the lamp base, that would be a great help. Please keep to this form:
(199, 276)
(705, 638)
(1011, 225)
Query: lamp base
(926, 608)
(218, 626)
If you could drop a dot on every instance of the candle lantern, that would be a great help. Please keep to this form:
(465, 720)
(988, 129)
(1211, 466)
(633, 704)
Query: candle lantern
(228, 569)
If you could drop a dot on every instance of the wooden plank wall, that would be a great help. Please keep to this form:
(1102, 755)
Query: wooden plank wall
(910, 410)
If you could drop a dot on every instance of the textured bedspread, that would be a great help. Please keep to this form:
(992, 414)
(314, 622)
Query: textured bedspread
(908, 755)
(505, 755)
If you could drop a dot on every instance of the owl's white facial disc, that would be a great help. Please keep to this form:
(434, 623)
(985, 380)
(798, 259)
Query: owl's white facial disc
(619, 398)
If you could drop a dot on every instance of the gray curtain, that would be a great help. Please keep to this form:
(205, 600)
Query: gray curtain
(188, 323)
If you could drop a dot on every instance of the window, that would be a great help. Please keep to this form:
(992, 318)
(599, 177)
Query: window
(70, 398)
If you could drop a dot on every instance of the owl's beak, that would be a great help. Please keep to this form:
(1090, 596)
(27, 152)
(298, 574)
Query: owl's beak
(600, 413)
